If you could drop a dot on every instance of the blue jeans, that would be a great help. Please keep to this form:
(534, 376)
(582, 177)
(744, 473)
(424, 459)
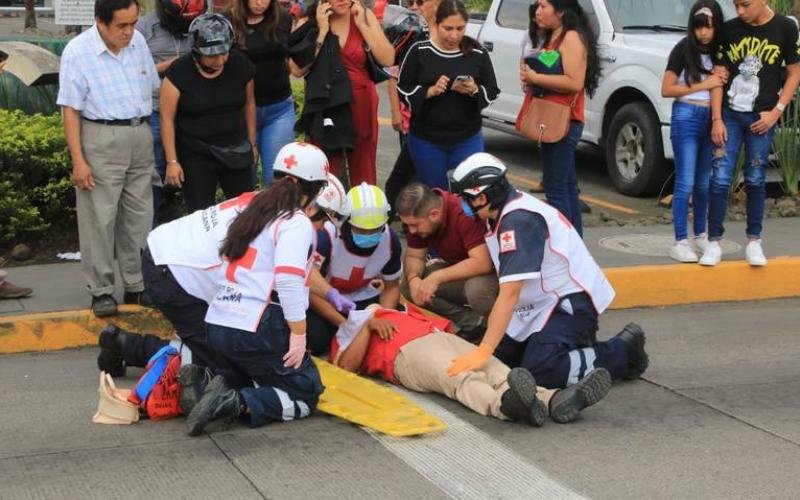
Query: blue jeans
(691, 142)
(756, 151)
(432, 161)
(161, 160)
(283, 393)
(274, 130)
(559, 177)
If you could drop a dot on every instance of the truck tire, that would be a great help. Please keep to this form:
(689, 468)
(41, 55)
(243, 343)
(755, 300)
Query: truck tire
(634, 152)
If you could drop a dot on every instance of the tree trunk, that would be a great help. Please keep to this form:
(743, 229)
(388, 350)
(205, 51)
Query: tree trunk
(796, 8)
(30, 14)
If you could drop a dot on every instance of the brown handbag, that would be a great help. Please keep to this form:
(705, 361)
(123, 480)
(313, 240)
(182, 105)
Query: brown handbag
(546, 121)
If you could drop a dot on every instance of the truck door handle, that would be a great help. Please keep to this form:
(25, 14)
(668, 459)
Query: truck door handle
(489, 46)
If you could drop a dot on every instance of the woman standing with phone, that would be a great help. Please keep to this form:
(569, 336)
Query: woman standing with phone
(569, 52)
(357, 30)
(446, 82)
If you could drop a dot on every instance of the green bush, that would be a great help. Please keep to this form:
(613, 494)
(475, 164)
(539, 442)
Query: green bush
(35, 185)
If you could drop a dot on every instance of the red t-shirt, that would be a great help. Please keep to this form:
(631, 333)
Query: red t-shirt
(458, 234)
(381, 354)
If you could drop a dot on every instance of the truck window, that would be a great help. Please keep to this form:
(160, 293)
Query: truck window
(513, 14)
(588, 8)
(656, 12)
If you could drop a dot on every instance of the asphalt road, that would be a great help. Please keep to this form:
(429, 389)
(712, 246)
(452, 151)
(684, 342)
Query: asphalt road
(716, 416)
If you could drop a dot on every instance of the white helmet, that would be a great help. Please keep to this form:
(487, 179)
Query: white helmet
(333, 199)
(476, 174)
(302, 160)
(369, 208)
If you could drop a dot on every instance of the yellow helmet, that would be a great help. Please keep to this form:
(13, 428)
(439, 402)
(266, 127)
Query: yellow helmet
(369, 208)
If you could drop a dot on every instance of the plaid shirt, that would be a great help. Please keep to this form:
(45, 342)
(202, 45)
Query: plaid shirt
(105, 86)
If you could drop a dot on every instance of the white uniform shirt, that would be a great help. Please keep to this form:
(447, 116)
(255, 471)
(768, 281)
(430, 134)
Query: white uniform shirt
(566, 267)
(245, 286)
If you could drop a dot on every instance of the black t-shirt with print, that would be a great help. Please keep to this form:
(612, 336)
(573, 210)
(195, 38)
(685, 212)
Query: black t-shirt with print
(755, 56)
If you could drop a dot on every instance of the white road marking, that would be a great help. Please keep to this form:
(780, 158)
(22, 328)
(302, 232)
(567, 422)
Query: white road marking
(466, 463)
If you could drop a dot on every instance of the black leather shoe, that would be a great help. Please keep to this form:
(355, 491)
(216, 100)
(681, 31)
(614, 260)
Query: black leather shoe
(566, 404)
(219, 402)
(139, 298)
(638, 360)
(193, 380)
(104, 305)
(110, 359)
(519, 402)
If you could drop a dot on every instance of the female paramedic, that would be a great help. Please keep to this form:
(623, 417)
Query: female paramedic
(257, 319)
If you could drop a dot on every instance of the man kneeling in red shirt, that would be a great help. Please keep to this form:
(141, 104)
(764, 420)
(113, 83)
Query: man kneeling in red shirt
(415, 351)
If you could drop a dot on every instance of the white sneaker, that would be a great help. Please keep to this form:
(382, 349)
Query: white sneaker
(754, 254)
(712, 255)
(701, 242)
(682, 252)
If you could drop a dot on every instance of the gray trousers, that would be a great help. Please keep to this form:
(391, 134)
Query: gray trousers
(466, 303)
(116, 215)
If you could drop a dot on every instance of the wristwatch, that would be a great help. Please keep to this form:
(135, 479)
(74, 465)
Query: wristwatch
(780, 107)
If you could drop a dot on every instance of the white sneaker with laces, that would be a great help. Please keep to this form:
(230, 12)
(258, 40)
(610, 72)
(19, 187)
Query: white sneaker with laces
(701, 242)
(755, 254)
(682, 252)
(712, 255)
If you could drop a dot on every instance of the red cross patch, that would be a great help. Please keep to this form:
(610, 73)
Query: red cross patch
(246, 262)
(508, 242)
(290, 162)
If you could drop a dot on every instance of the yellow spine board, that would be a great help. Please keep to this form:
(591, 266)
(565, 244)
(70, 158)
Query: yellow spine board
(364, 402)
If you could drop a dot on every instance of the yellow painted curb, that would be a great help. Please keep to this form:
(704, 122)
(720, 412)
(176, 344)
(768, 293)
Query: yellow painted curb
(68, 329)
(637, 286)
(676, 284)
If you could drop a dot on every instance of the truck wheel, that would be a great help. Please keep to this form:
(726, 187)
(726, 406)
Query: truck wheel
(634, 152)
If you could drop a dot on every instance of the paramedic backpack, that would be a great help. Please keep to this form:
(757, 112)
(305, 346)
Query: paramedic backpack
(157, 391)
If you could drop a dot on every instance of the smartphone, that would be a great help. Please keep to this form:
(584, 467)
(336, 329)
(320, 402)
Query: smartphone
(462, 79)
(3, 56)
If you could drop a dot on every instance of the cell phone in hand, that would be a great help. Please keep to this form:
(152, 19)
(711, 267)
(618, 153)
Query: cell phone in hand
(462, 79)
(3, 56)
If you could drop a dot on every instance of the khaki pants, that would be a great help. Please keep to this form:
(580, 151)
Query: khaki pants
(466, 303)
(115, 216)
(422, 366)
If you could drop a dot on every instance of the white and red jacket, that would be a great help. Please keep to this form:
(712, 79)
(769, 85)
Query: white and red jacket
(189, 246)
(279, 258)
(567, 267)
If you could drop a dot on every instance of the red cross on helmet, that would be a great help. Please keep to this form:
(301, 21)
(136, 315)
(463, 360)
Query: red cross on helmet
(302, 160)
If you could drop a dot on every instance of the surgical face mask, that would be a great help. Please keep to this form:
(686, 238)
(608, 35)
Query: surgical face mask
(467, 209)
(367, 240)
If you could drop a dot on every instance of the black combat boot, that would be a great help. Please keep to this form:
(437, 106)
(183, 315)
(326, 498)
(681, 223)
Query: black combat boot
(566, 404)
(638, 360)
(219, 402)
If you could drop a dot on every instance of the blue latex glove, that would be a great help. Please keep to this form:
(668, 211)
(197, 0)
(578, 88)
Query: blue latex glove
(339, 301)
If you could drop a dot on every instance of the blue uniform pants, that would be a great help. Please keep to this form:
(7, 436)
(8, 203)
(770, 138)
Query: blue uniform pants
(282, 393)
(566, 350)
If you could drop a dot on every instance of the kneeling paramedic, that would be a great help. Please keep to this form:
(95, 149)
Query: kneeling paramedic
(551, 289)
(350, 255)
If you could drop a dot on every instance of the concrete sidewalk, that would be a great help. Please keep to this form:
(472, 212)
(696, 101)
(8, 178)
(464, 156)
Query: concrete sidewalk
(59, 287)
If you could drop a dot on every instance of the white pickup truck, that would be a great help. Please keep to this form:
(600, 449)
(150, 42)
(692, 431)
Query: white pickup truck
(627, 118)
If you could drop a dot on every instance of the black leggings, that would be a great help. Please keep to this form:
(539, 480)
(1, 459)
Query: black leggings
(202, 173)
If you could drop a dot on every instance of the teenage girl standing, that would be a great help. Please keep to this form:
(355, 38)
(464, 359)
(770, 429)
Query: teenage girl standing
(689, 79)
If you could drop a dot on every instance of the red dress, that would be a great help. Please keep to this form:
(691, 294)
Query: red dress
(362, 160)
